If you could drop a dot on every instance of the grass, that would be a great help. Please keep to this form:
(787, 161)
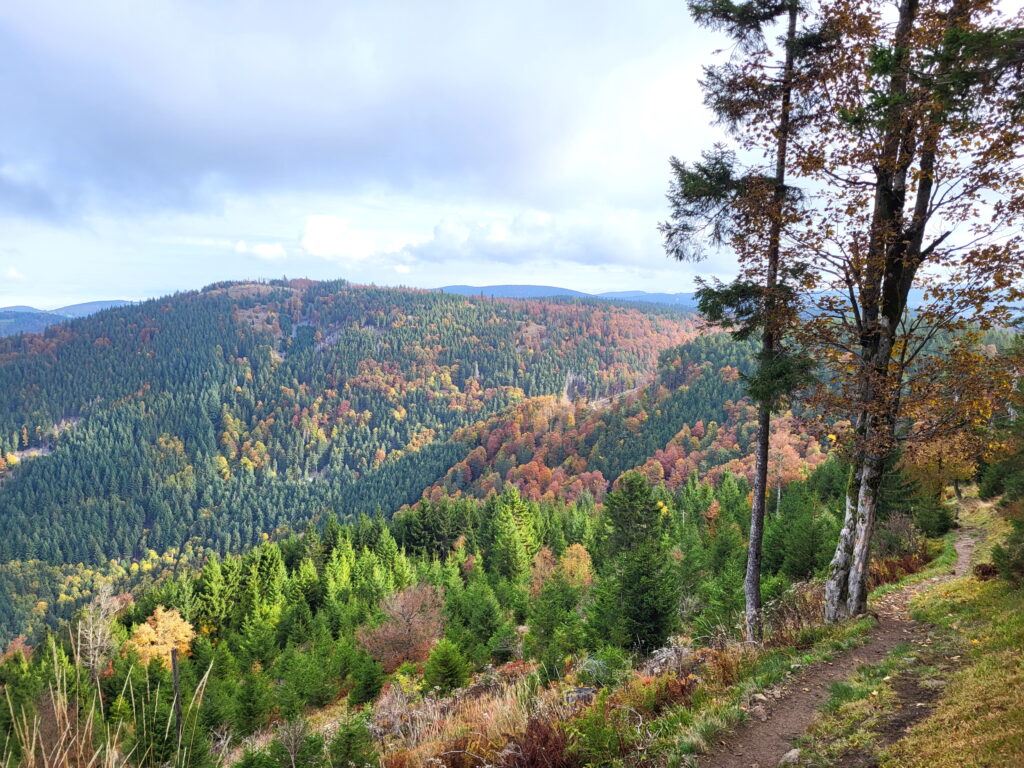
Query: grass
(979, 721)
(969, 673)
(695, 729)
(691, 731)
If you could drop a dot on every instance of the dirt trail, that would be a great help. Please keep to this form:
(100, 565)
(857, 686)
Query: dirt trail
(763, 744)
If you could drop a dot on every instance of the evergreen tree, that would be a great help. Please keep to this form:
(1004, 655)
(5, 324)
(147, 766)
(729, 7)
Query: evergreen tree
(446, 668)
(647, 592)
(352, 746)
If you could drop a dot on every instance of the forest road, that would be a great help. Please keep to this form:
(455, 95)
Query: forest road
(763, 744)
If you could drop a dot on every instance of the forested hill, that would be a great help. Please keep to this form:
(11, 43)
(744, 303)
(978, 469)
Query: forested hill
(219, 415)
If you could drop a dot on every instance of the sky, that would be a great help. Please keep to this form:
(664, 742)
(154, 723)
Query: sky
(150, 147)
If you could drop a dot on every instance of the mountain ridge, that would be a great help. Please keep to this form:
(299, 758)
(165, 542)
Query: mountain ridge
(523, 291)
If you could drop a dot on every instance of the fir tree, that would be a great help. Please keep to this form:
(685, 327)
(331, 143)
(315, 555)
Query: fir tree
(446, 668)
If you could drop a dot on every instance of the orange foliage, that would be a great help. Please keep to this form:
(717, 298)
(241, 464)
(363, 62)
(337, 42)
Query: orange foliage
(161, 632)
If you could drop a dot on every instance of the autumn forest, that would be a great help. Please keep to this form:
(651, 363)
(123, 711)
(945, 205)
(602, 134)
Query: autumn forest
(295, 523)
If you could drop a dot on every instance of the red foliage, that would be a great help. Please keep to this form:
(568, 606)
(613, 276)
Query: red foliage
(543, 744)
(18, 645)
(410, 631)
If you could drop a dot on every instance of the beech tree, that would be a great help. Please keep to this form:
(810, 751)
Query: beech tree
(915, 144)
(412, 626)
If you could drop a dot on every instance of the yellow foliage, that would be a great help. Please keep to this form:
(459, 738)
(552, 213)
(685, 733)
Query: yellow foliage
(161, 632)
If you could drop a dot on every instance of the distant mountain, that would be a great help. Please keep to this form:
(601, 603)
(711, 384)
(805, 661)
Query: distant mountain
(24, 319)
(24, 308)
(89, 307)
(547, 291)
(684, 300)
(680, 299)
(512, 291)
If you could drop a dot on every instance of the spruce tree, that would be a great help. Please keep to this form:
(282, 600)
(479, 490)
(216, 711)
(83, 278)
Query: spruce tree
(647, 592)
(446, 668)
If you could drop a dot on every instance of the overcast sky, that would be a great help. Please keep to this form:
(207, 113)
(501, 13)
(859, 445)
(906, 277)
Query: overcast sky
(148, 147)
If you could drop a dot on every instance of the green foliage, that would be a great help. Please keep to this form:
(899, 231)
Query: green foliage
(1008, 557)
(602, 733)
(305, 751)
(607, 666)
(446, 669)
(351, 746)
(647, 591)
(367, 680)
(254, 705)
(933, 518)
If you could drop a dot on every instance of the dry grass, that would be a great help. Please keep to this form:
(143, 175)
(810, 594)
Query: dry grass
(58, 735)
(475, 724)
(798, 609)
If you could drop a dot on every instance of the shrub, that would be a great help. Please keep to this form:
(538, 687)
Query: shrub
(411, 627)
(651, 695)
(257, 758)
(993, 481)
(601, 733)
(1008, 558)
(607, 666)
(351, 746)
(542, 744)
(446, 669)
(934, 518)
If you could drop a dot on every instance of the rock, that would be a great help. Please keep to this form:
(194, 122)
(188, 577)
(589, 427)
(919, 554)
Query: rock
(790, 758)
(759, 697)
(760, 712)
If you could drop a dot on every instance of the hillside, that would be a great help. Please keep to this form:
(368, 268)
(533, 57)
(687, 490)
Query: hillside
(208, 419)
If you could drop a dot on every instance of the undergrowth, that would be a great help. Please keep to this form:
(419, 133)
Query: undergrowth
(959, 692)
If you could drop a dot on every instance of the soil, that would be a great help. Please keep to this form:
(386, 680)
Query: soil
(763, 744)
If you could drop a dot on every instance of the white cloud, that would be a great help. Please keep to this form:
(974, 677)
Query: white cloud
(14, 275)
(265, 251)
(598, 235)
(334, 238)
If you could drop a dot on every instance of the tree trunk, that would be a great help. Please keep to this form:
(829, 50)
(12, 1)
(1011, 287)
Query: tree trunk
(867, 507)
(752, 581)
(836, 585)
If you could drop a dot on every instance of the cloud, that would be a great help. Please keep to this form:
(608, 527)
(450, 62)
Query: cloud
(597, 236)
(180, 142)
(265, 251)
(335, 238)
(175, 104)
(14, 275)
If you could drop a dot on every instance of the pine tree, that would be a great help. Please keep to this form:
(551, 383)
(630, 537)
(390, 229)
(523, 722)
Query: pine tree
(367, 679)
(352, 746)
(508, 556)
